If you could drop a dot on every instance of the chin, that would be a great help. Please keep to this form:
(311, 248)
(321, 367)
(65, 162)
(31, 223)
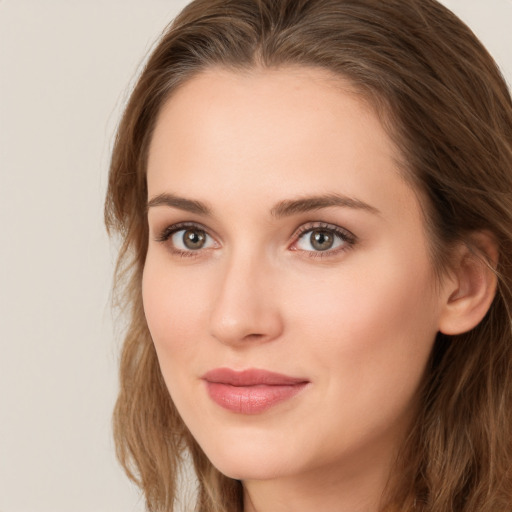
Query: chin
(249, 460)
(250, 470)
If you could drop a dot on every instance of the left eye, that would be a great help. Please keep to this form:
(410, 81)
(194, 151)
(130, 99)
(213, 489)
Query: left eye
(320, 240)
(191, 239)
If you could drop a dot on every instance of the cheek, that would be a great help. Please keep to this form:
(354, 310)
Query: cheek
(374, 327)
(173, 307)
(367, 339)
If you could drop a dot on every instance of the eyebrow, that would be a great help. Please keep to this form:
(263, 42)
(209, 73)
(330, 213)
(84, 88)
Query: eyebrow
(284, 208)
(188, 205)
(312, 203)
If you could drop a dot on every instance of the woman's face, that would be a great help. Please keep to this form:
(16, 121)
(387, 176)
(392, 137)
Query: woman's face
(283, 239)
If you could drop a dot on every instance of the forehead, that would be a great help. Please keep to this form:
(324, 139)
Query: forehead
(224, 132)
(281, 100)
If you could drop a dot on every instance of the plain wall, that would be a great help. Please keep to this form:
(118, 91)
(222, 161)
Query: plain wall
(65, 71)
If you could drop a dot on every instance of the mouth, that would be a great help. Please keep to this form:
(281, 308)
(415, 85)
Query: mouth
(250, 391)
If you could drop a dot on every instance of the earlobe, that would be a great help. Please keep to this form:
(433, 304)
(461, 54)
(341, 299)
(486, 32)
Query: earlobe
(472, 285)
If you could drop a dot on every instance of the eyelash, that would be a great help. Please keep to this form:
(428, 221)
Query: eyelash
(169, 231)
(348, 238)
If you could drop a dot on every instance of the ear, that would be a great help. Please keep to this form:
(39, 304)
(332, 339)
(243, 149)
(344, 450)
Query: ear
(471, 286)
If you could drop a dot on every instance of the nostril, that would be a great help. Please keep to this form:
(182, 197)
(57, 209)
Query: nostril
(254, 337)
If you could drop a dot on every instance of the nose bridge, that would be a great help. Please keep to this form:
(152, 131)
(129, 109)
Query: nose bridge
(245, 306)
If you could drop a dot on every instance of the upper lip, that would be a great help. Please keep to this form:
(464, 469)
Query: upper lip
(250, 377)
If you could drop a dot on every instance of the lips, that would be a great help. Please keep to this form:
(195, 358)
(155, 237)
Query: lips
(250, 391)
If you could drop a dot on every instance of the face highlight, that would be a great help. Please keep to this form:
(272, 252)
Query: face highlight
(283, 241)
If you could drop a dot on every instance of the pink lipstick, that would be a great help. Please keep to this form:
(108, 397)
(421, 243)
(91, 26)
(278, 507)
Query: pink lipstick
(250, 391)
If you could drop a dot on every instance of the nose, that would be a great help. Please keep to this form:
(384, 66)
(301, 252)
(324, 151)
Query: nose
(246, 307)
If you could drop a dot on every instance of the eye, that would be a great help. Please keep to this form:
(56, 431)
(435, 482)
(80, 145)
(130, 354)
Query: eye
(186, 239)
(323, 239)
(191, 239)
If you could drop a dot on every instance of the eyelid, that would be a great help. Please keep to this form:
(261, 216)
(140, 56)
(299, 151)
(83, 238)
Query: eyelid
(169, 230)
(166, 234)
(344, 234)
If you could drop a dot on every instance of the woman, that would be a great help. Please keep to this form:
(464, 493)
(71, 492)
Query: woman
(315, 202)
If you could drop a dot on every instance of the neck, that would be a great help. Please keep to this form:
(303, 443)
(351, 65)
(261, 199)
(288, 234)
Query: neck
(355, 487)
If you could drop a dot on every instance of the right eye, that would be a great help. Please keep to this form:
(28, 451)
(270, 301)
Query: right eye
(187, 239)
(191, 239)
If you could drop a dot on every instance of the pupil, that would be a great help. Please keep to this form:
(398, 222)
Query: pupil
(321, 240)
(193, 239)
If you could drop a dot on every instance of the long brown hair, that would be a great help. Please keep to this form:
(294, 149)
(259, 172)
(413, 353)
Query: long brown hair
(443, 100)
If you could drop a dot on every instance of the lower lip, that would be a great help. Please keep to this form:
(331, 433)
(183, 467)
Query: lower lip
(251, 399)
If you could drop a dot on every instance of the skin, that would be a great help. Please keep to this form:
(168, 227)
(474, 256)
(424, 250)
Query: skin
(357, 321)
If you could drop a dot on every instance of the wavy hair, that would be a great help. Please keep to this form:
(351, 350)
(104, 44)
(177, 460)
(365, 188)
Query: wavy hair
(442, 98)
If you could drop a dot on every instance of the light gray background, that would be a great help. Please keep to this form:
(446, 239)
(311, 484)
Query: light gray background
(65, 71)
